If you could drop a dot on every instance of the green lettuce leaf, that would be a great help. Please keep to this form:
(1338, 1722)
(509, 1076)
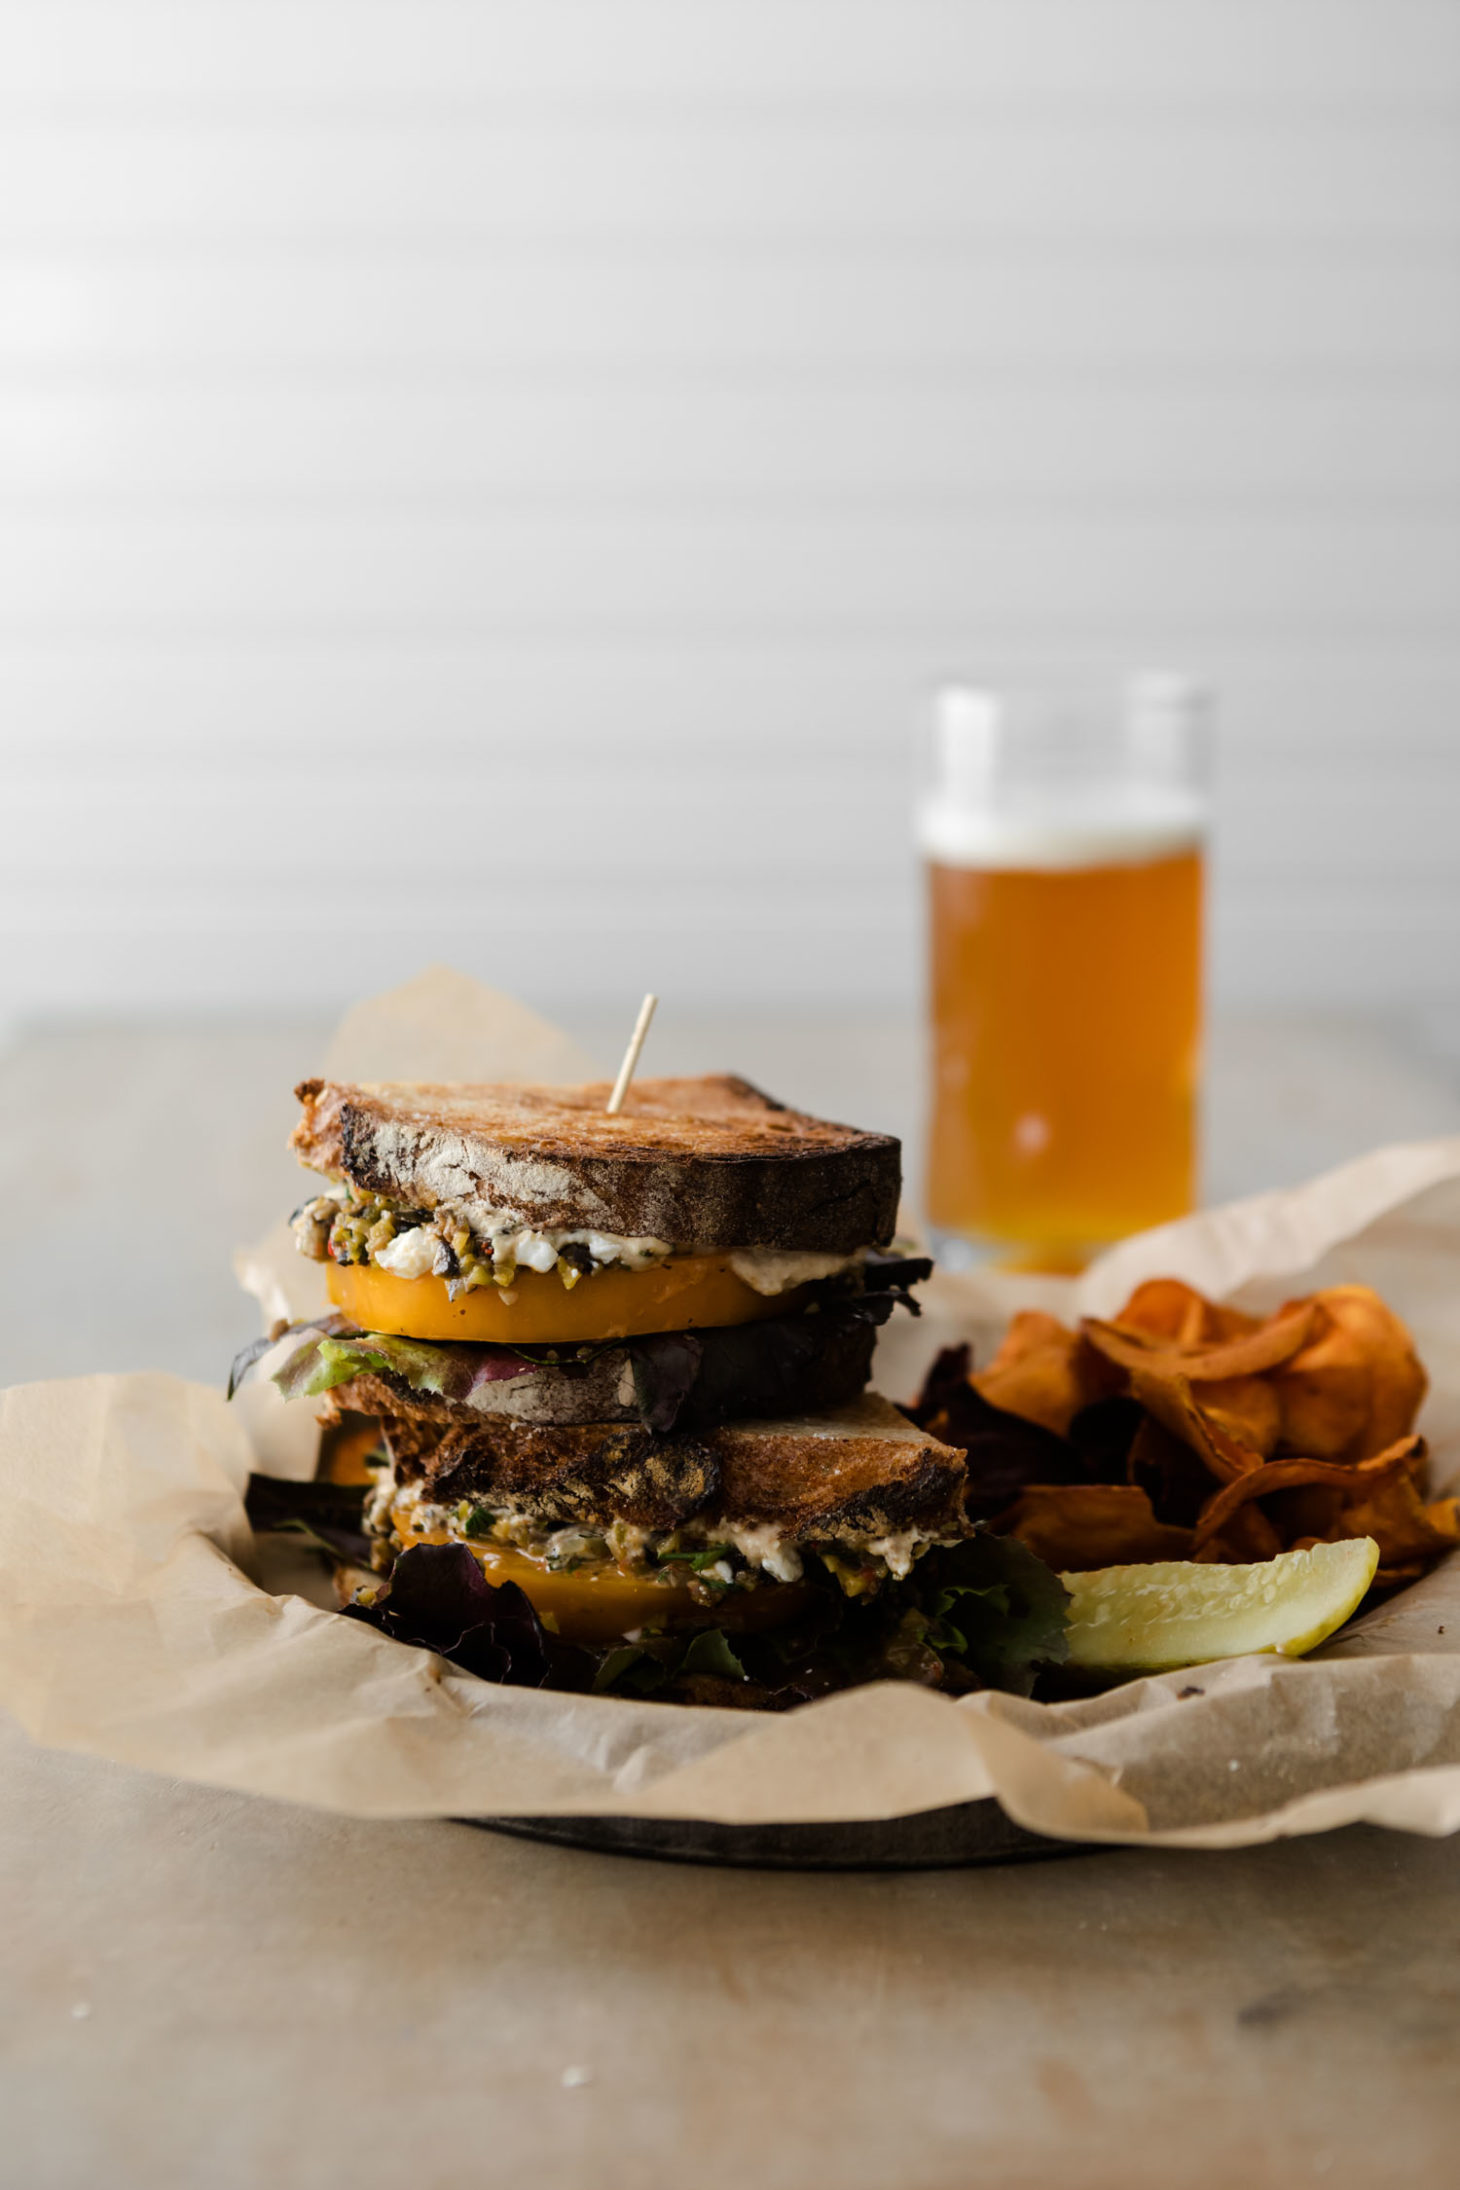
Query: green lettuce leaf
(985, 1613)
(330, 1353)
(418, 1364)
(709, 1652)
(997, 1608)
(641, 1669)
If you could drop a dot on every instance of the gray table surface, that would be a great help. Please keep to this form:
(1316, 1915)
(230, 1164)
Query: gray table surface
(201, 1989)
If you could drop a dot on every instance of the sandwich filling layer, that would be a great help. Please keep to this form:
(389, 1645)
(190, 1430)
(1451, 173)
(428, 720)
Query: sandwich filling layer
(347, 1227)
(815, 1354)
(590, 1585)
(655, 1531)
(600, 1585)
(710, 1559)
(344, 1224)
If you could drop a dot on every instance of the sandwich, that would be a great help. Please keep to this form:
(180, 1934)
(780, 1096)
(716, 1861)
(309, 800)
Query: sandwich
(611, 1375)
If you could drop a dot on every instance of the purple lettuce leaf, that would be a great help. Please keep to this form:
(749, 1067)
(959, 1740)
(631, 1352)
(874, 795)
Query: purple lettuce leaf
(438, 1599)
(1005, 1452)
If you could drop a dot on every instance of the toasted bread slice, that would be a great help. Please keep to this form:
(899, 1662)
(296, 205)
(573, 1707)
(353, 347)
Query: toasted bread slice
(859, 1470)
(704, 1163)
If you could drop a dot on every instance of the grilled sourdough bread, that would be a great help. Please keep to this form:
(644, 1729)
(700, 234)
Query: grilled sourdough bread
(613, 1530)
(862, 1470)
(699, 1163)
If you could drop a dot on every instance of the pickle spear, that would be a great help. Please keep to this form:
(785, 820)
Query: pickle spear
(1153, 1619)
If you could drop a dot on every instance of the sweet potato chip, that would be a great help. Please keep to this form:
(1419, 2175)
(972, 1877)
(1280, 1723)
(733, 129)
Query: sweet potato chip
(1177, 1480)
(1165, 1308)
(1324, 1398)
(1356, 1385)
(1248, 1353)
(1397, 1577)
(1308, 1511)
(1103, 1435)
(1246, 1407)
(1221, 1446)
(1391, 1510)
(1004, 1451)
(1355, 1479)
(1213, 1394)
(1045, 1372)
(1074, 1527)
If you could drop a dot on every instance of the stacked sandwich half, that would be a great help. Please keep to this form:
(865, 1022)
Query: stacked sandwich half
(621, 1363)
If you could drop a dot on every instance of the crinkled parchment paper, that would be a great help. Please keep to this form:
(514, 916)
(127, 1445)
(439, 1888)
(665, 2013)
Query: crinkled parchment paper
(133, 1624)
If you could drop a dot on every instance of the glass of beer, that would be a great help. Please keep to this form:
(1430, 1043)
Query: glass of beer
(1064, 848)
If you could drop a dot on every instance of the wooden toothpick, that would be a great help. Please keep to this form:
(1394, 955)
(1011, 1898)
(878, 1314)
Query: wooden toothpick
(631, 1056)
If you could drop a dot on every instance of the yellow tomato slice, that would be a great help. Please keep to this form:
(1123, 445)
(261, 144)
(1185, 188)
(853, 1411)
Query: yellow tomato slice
(688, 1293)
(600, 1604)
(345, 1448)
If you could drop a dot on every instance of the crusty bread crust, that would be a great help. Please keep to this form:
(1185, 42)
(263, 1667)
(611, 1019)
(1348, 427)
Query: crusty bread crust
(861, 1469)
(705, 1163)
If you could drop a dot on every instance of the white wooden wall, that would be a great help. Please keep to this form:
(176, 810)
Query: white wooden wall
(495, 478)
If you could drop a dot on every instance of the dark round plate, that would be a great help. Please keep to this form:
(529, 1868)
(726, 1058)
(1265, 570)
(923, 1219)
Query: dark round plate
(970, 1832)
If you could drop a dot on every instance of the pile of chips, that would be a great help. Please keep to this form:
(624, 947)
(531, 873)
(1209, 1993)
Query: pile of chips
(1182, 1429)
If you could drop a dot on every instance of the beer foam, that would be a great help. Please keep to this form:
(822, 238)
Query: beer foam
(1127, 826)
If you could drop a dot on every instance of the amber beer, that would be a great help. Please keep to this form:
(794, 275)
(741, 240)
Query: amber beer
(1066, 1011)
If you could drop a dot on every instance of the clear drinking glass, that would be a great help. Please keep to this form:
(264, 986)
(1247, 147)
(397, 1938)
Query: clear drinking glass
(1064, 841)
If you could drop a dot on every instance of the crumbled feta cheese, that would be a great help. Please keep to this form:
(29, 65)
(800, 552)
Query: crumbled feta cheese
(608, 1247)
(532, 1252)
(899, 1551)
(414, 1254)
(764, 1546)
